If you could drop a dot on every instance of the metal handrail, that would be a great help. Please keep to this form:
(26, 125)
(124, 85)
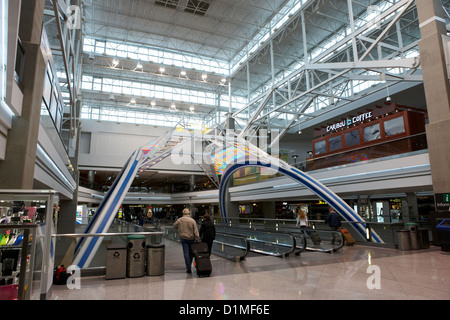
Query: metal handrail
(293, 240)
(246, 249)
(87, 235)
(305, 246)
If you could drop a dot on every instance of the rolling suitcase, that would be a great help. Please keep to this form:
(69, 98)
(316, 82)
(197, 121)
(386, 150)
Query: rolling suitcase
(348, 237)
(201, 259)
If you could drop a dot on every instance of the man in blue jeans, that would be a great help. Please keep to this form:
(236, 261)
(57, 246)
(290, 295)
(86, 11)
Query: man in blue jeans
(188, 234)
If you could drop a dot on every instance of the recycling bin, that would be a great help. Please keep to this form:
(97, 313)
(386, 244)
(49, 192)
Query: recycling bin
(414, 234)
(116, 262)
(155, 259)
(136, 256)
(404, 240)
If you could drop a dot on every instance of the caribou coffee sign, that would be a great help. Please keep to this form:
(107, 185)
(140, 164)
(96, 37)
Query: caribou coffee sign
(349, 121)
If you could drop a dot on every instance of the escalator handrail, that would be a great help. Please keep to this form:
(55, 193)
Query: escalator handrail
(293, 239)
(332, 249)
(246, 249)
(320, 249)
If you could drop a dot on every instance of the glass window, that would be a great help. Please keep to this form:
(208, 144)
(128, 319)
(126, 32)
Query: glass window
(97, 84)
(352, 138)
(47, 90)
(372, 132)
(394, 126)
(320, 147)
(100, 47)
(335, 143)
(53, 105)
(44, 110)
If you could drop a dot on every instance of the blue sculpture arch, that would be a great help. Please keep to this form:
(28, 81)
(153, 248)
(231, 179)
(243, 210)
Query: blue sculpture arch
(341, 207)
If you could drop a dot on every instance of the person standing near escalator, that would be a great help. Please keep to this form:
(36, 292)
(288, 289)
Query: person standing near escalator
(334, 222)
(207, 231)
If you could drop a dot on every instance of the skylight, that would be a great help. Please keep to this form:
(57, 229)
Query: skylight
(197, 7)
(168, 3)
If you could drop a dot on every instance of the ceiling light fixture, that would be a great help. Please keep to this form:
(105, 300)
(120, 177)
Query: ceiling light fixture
(139, 66)
(115, 63)
(388, 98)
(204, 76)
(133, 101)
(183, 73)
(162, 69)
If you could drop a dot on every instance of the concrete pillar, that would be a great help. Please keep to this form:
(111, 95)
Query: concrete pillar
(387, 212)
(230, 124)
(91, 179)
(413, 207)
(231, 207)
(437, 90)
(191, 182)
(17, 170)
(268, 209)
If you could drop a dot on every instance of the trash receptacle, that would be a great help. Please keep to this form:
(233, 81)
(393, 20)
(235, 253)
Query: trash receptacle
(404, 240)
(155, 259)
(424, 238)
(136, 256)
(116, 262)
(414, 233)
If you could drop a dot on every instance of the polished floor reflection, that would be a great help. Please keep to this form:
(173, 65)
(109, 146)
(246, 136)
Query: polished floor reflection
(355, 272)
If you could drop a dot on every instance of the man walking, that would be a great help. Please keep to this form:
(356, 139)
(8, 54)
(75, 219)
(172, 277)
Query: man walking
(188, 234)
(333, 221)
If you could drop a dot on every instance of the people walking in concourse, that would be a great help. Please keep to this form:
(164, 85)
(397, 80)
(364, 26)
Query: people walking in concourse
(333, 220)
(207, 231)
(188, 234)
(302, 220)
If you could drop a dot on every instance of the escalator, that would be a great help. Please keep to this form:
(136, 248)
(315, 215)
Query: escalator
(273, 243)
(283, 241)
(237, 243)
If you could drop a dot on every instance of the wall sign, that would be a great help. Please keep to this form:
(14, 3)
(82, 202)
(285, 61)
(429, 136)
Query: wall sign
(349, 121)
(442, 201)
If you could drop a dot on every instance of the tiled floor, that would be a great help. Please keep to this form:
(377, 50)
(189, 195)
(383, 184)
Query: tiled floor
(356, 272)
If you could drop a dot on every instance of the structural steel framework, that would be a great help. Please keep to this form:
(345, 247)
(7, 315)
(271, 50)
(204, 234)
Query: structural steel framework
(305, 58)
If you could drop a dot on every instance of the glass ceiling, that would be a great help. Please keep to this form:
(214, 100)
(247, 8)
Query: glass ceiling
(224, 69)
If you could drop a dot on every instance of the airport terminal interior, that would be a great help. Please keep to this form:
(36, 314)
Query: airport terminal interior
(263, 117)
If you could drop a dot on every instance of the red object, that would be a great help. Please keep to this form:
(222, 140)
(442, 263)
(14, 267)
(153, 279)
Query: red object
(9, 292)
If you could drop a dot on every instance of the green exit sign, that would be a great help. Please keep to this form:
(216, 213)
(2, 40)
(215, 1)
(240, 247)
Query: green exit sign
(446, 197)
(442, 201)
